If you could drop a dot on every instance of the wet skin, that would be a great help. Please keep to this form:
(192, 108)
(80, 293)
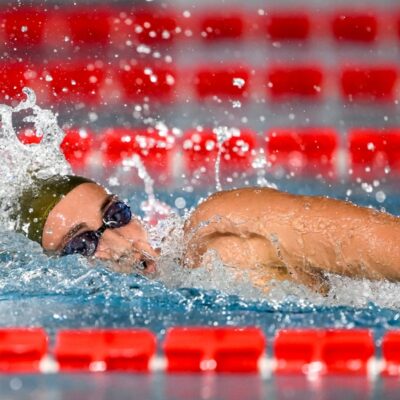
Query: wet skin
(126, 247)
(270, 234)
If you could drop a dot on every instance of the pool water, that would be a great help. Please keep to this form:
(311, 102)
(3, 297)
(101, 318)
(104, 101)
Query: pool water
(72, 292)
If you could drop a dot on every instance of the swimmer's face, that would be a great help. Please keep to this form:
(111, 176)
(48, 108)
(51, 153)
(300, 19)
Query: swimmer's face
(84, 209)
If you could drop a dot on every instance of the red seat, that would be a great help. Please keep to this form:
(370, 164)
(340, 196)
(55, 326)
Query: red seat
(355, 26)
(14, 77)
(104, 350)
(200, 152)
(230, 82)
(89, 26)
(336, 351)
(22, 349)
(153, 146)
(154, 26)
(77, 147)
(141, 81)
(217, 26)
(371, 83)
(289, 25)
(23, 27)
(213, 349)
(78, 81)
(295, 81)
(304, 151)
(374, 152)
(391, 353)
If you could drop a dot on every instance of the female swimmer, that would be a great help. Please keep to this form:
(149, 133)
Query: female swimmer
(266, 233)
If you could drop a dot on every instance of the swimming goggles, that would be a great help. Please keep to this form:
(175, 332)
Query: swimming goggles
(117, 214)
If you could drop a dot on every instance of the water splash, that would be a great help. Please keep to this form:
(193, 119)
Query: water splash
(20, 163)
(223, 134)
(153, 208)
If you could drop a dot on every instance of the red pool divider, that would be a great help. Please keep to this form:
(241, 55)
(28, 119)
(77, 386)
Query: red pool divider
(77, 146)
(214, 349)
(391, 353)
(89, 26)
(288, 25)
(305, 151)
(218, 26)
(153, 25)
(283, 82)
(14, 76)
(374, 152)
(353, 26)
(154, 146)
(199, 151)
(229, 82)
(104, 350)
(22, 349)
(158, 83)
(361, 83)
(76, 81)
(23, 27)
(28, 136)
(336, 351)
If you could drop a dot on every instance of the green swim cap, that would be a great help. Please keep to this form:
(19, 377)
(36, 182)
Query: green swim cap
(38, 200)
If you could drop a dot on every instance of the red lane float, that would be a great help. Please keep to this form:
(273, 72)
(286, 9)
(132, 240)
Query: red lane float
(303, 151)
(295, 81)
(368, 83)
(23, 27)
(200, 152)
(355, 26)
(289, 25)
(230, 82)
(22, 349)
(77, 146)
(138, 82)
(104, 350)
(214, 349)
(323, 351)
(391, 353)
(77, 81)
(89, 26)
(152, 25)
(29, 136)
(153, 146)
(14, 76)
(374, 152)
(216, 26)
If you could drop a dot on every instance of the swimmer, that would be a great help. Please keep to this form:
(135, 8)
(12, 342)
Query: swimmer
(268, 234)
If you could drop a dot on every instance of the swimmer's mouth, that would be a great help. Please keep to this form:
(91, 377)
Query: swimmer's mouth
(146, 266)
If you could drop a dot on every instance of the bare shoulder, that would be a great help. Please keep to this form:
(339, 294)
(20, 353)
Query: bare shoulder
(229, 202)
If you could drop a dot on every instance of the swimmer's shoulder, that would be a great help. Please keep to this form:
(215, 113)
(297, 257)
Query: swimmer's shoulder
(242, 192)
(228, 202)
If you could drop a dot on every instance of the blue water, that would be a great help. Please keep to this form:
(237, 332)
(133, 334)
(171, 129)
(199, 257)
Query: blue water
(71, 292)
